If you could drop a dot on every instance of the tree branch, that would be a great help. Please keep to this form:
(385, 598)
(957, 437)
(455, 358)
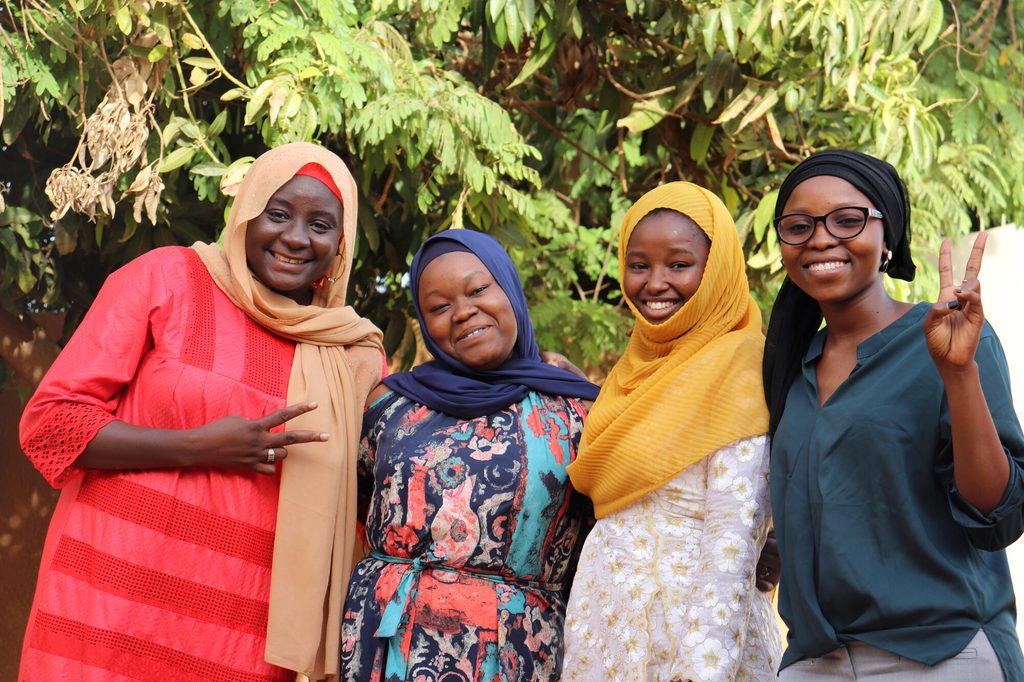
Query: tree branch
(558, 133)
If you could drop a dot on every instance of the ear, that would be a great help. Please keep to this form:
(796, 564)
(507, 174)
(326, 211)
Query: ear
(886, 258)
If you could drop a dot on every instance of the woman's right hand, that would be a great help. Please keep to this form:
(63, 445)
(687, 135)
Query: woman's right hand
(237, 443)
(952, 327)
(229, 442)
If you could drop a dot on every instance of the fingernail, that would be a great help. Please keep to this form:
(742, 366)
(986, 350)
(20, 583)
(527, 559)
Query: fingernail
(953, 305)
(325, 436)
(312, 403)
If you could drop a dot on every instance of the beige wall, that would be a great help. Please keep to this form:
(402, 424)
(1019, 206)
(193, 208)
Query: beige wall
(1002, 291)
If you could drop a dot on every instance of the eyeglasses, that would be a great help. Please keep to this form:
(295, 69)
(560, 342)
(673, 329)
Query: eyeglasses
(845, 222)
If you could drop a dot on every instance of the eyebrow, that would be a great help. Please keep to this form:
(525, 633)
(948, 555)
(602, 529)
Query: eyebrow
(284, 203)
(673, 250)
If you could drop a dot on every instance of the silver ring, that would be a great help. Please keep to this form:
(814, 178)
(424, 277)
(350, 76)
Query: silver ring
(271, 455)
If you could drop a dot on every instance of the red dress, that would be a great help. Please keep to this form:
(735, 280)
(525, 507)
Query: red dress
(159, 574)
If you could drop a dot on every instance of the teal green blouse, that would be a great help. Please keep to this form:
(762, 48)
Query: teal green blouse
(876, 543)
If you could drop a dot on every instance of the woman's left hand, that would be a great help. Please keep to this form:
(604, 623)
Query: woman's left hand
(952, 327)
(769, 564)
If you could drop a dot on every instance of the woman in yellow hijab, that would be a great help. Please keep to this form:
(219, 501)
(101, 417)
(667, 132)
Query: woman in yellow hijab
(674, 456)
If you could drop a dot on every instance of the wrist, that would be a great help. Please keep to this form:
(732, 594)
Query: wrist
(955, 376)
(187, 446)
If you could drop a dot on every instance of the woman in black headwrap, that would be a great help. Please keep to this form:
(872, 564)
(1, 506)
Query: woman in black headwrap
(897, 467)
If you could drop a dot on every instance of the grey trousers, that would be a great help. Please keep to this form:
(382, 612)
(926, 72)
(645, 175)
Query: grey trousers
(859, 661)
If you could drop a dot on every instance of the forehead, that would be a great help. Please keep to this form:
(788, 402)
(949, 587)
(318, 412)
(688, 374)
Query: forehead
(667, 227)
(823, 193)
(305, 189)
(449, 268)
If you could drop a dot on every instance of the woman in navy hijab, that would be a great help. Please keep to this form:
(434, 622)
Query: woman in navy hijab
(472, 526)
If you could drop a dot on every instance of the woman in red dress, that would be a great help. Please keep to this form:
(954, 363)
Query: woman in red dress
(183, 545)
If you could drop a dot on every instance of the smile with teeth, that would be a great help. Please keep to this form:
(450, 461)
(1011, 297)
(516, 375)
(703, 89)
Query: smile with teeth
(826, 266)
(470, 334)
(285, 259)
(660, 305)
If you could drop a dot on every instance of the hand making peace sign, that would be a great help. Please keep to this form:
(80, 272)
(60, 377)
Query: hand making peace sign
(236, 442)
(952, 327)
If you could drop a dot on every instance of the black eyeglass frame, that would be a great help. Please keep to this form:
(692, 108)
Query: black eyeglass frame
(868, 212)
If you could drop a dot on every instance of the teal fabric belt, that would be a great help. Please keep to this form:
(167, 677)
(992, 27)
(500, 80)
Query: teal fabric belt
(397, 614)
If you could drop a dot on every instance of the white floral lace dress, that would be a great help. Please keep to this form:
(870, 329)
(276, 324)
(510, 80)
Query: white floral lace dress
(665, 587)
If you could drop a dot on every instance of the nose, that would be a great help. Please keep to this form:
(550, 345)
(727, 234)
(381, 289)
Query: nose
(820, 236)
(657, 280)
(295, 235)
(463, 309)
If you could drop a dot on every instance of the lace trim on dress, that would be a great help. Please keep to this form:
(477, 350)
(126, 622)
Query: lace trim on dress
(264, 369)
(119, 652)
(112, 494)
(58, 442)
(125, 579)
(198, 348)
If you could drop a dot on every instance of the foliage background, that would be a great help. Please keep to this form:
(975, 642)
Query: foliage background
(126, 124)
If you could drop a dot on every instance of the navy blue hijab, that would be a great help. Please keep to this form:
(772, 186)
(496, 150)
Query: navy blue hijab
(446, 384)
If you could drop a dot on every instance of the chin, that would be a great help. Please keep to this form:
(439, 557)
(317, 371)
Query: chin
(483, 366)
(483, 362)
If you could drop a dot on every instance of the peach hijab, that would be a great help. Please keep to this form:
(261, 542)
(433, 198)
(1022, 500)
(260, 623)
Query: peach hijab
(337, 363)
(686, 387)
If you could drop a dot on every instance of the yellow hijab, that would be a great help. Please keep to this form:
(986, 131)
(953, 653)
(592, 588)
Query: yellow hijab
(337, 362)
(683, 388)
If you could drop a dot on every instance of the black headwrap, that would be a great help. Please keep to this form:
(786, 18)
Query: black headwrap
(796, 317)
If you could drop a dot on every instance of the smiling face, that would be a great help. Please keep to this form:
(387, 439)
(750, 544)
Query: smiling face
(833, 270)
(665, 259)
(466, 312)
(291, 244)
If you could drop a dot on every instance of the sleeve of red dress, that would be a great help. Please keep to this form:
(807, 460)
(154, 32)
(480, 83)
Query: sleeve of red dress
(80, 392)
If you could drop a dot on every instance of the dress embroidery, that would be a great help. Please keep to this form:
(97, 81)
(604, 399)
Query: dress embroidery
(665, 587)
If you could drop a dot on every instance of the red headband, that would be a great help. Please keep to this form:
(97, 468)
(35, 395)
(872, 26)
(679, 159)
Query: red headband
(315, 170)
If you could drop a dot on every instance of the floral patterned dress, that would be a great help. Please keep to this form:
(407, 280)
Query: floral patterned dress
(473, 531)
(665, 587)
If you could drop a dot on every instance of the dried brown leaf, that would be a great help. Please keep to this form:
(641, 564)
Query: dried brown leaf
(233, 177)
